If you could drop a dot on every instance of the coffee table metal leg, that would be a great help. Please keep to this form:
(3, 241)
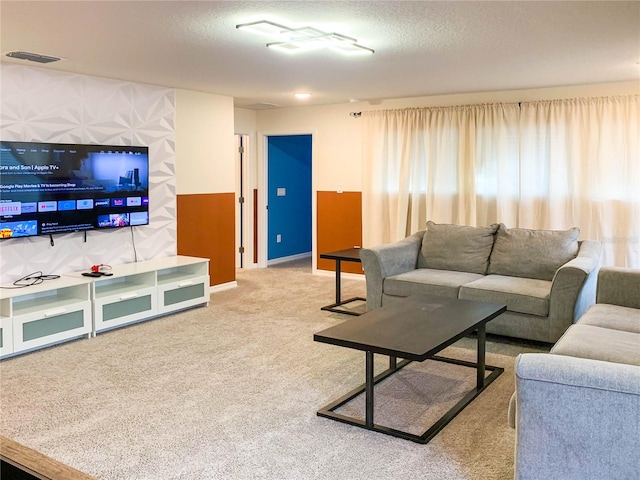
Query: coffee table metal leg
(393, 363)
(482, 341)
(369, 390)
(329, 410)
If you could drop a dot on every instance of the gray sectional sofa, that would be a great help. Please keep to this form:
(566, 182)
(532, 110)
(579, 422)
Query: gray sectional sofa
(545, 277)
(577, 409)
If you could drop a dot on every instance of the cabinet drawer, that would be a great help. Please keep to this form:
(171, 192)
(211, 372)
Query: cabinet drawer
(52, 326)
(183, 294)
(6, 336)
(124, 308)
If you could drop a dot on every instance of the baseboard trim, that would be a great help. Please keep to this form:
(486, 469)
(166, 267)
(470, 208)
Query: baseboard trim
(330, 273)
(289, 258)
(221, 287)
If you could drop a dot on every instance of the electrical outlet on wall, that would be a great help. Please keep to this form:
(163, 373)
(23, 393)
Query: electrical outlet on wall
(278, 238)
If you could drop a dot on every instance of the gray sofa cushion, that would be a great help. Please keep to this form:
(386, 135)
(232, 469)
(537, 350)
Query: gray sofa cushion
(520, 252)
(619, 286)
(612, 316)
(455, 247)
(425, 280)
(597, 343)
(523, 295)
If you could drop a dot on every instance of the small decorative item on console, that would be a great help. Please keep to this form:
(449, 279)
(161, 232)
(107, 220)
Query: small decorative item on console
(100, 268)
(98, 271)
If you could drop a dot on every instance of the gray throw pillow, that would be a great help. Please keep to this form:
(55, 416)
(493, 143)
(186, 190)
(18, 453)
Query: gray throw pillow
(520, 252)
(456, 247)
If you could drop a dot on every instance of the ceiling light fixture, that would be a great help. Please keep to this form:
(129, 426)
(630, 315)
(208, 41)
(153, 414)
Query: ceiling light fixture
(293, 40)
(302, 96)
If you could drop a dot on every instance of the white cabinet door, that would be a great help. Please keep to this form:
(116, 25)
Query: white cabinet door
(125, 307)
(6, 336)
(183, 294)
(53, 325)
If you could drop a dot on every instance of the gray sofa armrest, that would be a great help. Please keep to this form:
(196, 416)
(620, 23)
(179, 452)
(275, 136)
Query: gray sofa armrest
(576, 418)
(573, 289)
(619, 286)
(385, 260)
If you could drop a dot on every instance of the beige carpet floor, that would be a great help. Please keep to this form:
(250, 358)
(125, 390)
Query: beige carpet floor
(231, 391)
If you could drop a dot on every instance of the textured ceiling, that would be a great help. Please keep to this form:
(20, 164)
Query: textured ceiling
(421, 47)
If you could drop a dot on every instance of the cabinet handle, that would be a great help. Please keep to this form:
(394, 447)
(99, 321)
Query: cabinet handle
(185, 284)
(129, 296)
(53, 313)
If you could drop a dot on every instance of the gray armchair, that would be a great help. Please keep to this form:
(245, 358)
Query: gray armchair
(577, 409)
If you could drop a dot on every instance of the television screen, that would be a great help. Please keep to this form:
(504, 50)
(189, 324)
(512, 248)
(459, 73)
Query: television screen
(48, 188)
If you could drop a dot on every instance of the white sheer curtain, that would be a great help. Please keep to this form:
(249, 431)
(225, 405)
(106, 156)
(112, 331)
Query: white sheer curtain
(446, 164)
(549, 164)
(580, 164)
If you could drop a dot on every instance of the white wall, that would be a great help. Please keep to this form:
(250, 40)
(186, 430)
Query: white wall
(244, 121)
(49, 106)
(204, 143)
(337, 139)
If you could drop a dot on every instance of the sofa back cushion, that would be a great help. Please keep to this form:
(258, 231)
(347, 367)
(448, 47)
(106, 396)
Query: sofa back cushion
(520, 252)
(456, 247)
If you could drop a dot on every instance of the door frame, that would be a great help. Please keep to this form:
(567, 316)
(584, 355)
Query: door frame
(262, 182)
(240, 212)
(244, 234)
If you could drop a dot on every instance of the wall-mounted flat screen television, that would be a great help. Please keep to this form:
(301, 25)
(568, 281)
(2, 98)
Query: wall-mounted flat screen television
(48, 188)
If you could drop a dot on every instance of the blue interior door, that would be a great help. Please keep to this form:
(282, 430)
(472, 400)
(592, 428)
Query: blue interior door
(289, 195)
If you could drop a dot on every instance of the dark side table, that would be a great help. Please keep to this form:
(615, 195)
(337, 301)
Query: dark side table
(348, 255)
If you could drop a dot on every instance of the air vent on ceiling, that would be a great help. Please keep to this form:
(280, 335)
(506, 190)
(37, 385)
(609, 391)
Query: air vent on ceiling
(33, 57)
(260, 106)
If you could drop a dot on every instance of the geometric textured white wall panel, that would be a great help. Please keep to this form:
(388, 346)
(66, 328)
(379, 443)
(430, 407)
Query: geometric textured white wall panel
(43, 105)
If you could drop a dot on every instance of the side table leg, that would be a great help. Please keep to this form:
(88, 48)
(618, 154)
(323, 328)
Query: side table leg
(338, 286)
(482, 341)
(369, 390)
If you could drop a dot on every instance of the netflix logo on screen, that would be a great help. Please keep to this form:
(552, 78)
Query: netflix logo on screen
(10, 208)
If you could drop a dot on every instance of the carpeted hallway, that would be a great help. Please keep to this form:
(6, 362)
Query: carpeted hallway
(231, 392)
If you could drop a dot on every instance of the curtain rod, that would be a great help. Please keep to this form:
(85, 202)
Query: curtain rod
(359, 114)
(519, 103)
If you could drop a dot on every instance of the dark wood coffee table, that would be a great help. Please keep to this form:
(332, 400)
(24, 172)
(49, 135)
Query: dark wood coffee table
(414, 329)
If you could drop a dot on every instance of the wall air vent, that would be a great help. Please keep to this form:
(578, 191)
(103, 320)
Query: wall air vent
(33, 57)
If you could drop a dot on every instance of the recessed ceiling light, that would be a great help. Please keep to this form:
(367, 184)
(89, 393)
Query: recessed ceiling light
(302, 95)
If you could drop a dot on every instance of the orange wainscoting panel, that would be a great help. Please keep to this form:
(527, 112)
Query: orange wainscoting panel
(339, 227)
(206, 228)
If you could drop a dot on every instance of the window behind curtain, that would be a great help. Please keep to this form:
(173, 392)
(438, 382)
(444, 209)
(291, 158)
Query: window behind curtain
(550, 164)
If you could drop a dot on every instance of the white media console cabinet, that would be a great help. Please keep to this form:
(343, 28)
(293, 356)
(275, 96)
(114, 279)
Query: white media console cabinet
(73, 305)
